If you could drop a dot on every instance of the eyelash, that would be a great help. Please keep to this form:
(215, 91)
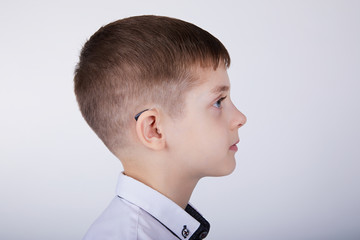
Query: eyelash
(218, 102)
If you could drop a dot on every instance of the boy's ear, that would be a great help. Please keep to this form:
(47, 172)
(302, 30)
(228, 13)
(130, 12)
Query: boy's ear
(148, 130)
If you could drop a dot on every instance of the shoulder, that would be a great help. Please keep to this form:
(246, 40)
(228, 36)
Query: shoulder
(126, 221)
(118, 221)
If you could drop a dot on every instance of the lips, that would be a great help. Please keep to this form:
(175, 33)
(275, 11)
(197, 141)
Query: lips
(234, 147)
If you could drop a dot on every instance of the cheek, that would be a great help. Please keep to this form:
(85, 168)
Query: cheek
(201, 136)
(205, 133)
(208, 141)
(210, 130)
(203, 149)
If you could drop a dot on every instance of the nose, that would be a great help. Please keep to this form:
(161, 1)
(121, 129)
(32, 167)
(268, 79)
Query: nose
(238, 120)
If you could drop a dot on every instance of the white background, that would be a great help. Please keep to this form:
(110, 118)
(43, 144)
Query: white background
(295, 74)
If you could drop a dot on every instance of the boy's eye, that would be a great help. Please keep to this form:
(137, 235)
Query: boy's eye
(217, 104)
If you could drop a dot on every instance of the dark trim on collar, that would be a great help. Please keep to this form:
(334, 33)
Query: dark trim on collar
(204, 227)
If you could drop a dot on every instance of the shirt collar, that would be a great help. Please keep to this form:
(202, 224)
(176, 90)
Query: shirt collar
(188, 224)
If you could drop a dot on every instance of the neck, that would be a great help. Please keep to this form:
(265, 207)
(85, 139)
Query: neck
(177, 188)
(170, 182)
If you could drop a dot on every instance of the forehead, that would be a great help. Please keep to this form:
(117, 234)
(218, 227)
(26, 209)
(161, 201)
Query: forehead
(212, 82)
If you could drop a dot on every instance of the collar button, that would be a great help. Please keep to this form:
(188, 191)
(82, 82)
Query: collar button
(185, 232)
(203, 235)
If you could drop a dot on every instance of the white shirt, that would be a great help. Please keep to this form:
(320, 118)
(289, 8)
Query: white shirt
(139, 212)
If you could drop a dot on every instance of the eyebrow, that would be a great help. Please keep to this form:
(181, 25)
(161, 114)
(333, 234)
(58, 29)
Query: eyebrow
(219, 89)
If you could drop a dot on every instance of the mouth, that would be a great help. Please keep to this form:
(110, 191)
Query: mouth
(234, 147)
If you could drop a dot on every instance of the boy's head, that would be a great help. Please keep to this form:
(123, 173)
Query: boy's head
(145, 62)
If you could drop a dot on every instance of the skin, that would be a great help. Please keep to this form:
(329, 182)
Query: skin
(172, 155)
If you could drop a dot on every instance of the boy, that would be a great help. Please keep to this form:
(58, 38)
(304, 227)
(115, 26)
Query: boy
(156, 92)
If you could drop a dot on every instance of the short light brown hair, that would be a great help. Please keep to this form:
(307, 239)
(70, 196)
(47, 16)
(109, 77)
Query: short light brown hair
(137, 62)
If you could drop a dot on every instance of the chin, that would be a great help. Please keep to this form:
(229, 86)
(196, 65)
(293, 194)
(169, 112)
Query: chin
(224, 170)
(230, 170)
